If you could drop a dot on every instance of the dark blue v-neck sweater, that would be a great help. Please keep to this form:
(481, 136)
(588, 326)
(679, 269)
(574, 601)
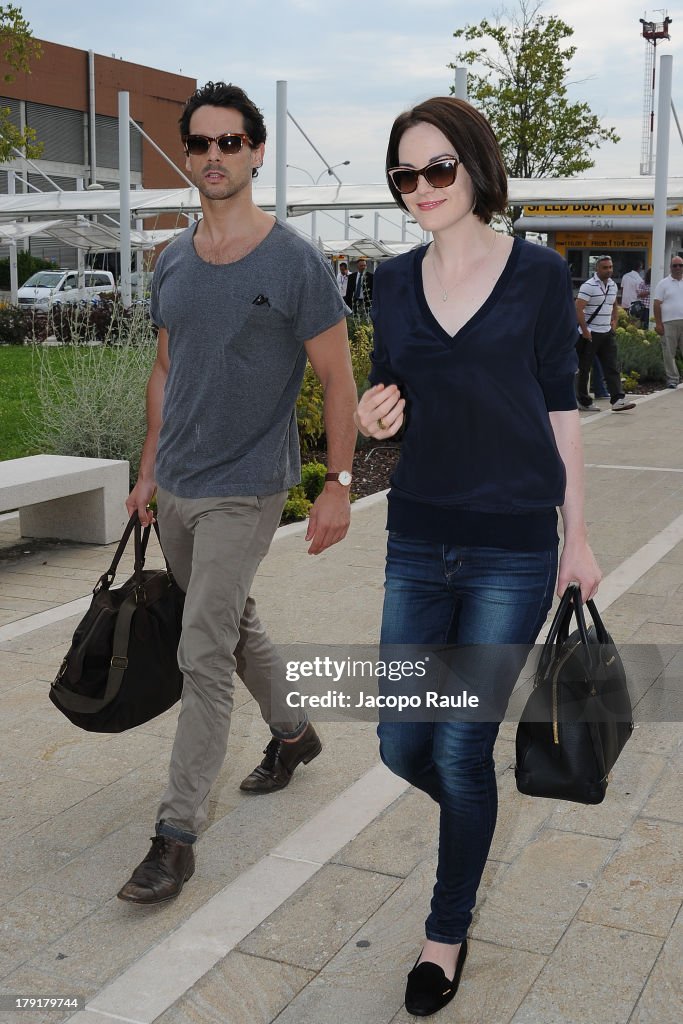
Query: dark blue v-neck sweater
(479, 464)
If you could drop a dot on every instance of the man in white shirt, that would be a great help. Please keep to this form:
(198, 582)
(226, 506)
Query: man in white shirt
(343, 282)
(629, 286)
(596, 312)
(668, 311)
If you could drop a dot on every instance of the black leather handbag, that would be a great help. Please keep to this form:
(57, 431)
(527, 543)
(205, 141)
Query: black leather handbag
(579, 715)
(122, 667)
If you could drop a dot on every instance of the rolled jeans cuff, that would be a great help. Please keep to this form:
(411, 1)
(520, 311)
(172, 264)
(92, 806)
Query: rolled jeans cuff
(279, 734)
(163, 828)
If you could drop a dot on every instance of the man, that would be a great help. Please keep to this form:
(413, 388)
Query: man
(629, 285)
(235, 328)
(596, 311)
(343, 281)
(360, 288)
(668, 311)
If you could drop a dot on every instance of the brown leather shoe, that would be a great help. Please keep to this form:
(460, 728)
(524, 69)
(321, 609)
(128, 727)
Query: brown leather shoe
(162, 874)
(277, 767)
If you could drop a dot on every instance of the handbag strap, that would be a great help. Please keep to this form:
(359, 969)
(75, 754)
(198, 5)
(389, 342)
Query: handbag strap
(141, 539)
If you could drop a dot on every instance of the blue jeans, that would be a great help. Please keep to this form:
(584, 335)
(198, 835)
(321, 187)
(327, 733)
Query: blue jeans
(441, 594)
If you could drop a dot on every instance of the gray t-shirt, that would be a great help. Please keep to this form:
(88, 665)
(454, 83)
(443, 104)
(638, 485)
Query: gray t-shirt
(237, 358)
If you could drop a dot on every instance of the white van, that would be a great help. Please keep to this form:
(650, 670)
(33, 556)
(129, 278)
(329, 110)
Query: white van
(48, 288)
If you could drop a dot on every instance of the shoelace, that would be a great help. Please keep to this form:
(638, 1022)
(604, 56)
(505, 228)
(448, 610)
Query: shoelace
(271, 752)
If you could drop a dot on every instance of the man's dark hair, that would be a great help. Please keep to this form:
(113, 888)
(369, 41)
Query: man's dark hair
(474, 143)
(220, 94)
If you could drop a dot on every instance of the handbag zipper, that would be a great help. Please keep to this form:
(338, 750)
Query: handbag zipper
(556, 731)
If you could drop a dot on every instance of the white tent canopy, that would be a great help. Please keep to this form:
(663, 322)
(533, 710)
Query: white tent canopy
(302, 199)
(84, 235)
(371, 248)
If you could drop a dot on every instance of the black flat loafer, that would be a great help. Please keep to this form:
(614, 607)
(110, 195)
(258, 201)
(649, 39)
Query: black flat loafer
(428, 989)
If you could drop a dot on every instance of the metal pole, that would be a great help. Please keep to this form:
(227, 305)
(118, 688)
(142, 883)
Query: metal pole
(281, 153)
(314, 226)
(661, 170)
(124, 196)
(347, 225)
(330, 170)
(461, 83)
(13, 266)
(376, 226)
(91, 116)
(80, 256)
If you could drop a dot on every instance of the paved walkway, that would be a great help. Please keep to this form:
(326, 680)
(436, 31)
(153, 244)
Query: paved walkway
(308, 905)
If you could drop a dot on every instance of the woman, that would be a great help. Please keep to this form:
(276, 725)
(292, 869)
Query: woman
(474, 350)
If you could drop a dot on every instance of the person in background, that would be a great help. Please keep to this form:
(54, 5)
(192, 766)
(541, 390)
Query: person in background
(343, 280)
(630, 283)
(644, 299)
(360, 288)
(668, 311)
(597, 312)
(468, 331)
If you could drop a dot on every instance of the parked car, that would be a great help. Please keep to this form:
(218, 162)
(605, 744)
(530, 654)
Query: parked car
(49, 288)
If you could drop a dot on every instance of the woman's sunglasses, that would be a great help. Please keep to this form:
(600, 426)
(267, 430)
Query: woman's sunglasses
(439, 174)
(228, 143)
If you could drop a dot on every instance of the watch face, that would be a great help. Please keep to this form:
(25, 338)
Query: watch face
(345, 477)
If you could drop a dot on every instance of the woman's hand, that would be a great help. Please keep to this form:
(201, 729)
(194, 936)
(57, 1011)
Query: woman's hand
(578, 565)
(380, 411)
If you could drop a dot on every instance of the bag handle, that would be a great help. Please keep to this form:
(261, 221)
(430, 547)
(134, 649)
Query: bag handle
(141, 539)
(570, 606)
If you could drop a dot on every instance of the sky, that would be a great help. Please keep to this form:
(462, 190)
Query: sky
(351, 70)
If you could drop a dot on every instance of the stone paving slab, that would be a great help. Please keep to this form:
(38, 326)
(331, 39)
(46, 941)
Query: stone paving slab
(562, 885)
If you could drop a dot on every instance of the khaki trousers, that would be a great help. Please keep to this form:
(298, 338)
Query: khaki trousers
(672, 342)
(214, 547)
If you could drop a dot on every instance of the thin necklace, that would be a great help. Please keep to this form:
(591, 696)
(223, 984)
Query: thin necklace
(444, 296)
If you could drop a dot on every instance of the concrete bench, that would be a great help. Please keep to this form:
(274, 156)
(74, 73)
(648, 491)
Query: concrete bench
(66, 497)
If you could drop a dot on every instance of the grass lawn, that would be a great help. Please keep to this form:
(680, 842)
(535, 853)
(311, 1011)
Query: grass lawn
(18, 401)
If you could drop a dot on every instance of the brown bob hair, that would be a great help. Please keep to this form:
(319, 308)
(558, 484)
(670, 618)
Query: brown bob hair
(474, 143)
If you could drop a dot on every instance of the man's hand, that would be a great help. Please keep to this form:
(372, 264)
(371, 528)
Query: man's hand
(330, 517)
(139, 499)
(660, 329)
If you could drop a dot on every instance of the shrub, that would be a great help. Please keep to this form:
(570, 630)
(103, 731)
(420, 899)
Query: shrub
(26, 265)
(297, 505)
(360, 340)
(313, 479)
(92, 396)
(15, 325)
(640, 352)
(309, 410)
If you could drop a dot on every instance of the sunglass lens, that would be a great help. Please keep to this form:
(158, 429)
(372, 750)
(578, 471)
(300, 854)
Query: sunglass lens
(405, 181)
(229, 144)
(197, 144)
(441, 175)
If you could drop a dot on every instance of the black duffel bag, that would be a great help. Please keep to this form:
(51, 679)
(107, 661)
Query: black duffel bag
(579, 716)
(122, 667)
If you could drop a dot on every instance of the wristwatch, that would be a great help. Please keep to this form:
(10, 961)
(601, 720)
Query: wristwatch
(343, 478)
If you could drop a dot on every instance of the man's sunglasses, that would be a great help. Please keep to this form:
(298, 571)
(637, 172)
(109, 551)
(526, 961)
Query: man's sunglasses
(439, 174)
(228, 143)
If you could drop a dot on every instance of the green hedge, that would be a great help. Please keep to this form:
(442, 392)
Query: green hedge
(640, 352)
(26, 265)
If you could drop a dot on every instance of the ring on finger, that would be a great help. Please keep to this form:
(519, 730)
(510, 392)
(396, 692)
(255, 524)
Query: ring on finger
(381, 424)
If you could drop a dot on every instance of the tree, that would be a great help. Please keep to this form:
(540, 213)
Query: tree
(17, 49)
(522, 90)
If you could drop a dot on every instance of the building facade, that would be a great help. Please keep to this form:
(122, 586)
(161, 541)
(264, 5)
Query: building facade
(70, 99)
